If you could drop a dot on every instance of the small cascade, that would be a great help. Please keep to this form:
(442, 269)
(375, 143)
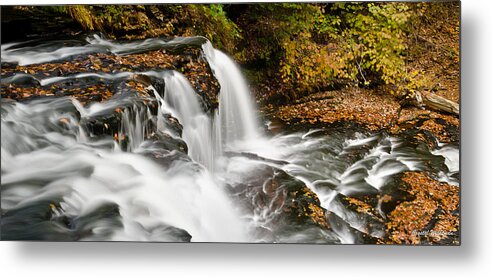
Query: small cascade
(181, 101)
(233, 122)
(236, 118)
(134, 127)
(47, 157)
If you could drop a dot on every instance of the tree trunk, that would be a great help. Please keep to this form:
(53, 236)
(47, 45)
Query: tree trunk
(437, 103)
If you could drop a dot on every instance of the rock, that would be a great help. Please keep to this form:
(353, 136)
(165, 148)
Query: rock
(21, 79)
(106, 218)
(166, 233)
(253, 156)
(283, 202)
(173, 125)
(33, 222)
(431, 217)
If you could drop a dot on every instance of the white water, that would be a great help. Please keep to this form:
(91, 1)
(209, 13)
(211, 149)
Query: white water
(36, 149)
(58, 50)
(27, 55)
(181, 101)
(145, 195)
(88, 174)
(329, 176)
(451, 157)
(236, 120)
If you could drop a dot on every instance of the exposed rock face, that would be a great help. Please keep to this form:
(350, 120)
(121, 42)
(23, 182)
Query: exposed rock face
(428, 125)
(41, 221)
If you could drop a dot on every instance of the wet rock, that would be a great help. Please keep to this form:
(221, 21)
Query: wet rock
(23, 82)
(33, 222)
(166, 233)
(164, 155)
(432, 217)
(428, 126)
(173, 125)
(302, 205)
(45, 220)
(115, 122)
(21, 79)
(283, 203)
(103, 125)
(170, 143)
(256, 157)
(106, 218)
(346, 233)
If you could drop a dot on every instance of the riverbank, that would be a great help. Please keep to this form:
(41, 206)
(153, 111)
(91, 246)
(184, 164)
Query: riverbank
(370, 108)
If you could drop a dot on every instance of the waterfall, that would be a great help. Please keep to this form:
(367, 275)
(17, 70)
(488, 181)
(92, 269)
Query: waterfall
(181, 101)
(44, 160)
(236, 119)
(233, 122)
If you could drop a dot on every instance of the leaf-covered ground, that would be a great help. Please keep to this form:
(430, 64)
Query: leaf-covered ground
(369, 108)
(432, 217)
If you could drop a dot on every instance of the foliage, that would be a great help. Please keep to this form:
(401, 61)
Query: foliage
(270, 25)
(374, 45)
(283, 37)
(307, 66)
(209, 21)
(114, 20)
(83, 15)
(56, 9)
(119, 20)
(130, 21)
(312, 46)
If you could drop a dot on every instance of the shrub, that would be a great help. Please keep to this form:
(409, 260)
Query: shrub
(211, 22)
(373, 42)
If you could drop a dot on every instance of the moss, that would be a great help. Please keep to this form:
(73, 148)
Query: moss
(84, 16)
(212, 22)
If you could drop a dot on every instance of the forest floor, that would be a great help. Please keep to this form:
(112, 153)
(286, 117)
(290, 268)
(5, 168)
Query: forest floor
(368, 107)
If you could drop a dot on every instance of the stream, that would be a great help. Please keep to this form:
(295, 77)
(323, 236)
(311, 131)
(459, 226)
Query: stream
(177, 172)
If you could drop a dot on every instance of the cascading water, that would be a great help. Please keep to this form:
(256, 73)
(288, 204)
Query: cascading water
(62, 180)
(45, 159)
(181, 101)
(236, 119)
